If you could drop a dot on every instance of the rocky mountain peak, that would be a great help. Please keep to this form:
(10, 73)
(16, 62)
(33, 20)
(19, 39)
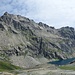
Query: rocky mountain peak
(6, 13)
(67, 32)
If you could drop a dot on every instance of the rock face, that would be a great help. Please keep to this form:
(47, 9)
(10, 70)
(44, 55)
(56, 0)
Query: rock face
(21, 36)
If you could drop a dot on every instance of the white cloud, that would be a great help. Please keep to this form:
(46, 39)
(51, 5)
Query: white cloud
(53, 12)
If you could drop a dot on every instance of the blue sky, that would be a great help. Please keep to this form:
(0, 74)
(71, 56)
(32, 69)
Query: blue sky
(57, 13)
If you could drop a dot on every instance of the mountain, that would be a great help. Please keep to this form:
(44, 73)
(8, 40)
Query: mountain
(27, 42)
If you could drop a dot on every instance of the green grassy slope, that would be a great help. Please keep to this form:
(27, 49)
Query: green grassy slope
(67, 67)
(6, 66)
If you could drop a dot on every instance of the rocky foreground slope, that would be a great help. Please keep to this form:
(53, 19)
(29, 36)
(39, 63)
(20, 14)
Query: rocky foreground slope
(23, 39)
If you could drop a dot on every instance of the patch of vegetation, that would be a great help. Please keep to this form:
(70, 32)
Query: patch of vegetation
(4, 57)
(67, 67)
(21, 44)
(61, 41)
(6, 66)
(56, 59)
(5, 47)
(59, 50)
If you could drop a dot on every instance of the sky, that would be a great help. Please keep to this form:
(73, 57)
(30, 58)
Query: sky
(57, 13)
